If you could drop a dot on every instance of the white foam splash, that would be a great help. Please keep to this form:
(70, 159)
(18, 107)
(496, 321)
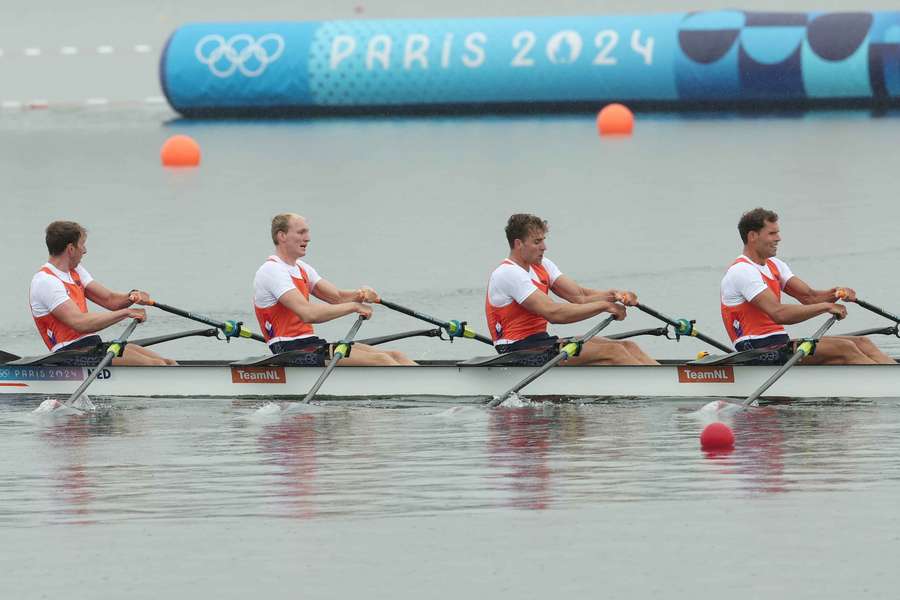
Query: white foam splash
(516, 401)
(716, 410)
(54, 408)
(462, 414)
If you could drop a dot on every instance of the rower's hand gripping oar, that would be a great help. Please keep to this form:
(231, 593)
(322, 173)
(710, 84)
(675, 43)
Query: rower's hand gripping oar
(684, 327)
(569, 350)
(453, 328)
(229, 328)
(340, 351)
(806, 348)
(114, 350)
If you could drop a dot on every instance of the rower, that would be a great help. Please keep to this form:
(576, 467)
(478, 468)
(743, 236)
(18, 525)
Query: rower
(59, 294)
(518, 304)
(754, 315)
(286, 316)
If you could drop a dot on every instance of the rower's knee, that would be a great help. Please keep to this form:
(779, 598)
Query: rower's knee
(402, 359)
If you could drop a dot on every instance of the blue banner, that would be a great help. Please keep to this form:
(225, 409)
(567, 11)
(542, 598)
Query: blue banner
(720, 56)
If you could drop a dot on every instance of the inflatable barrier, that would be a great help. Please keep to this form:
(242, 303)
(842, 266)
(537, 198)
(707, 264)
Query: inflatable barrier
(678, 60)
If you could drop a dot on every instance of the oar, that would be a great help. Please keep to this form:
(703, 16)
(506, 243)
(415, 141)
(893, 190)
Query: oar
(393, 337)
(6, 357)
(804, 349)
(684, 327)
(340, 351)
(878, 311)
(454, 328)
(229, 328)
(170, 337)
(567, 351)
(114, 348)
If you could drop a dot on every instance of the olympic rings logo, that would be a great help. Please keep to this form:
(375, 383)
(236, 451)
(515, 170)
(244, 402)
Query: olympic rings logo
(239, 53)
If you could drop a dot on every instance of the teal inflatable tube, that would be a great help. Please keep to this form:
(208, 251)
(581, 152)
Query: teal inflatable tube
(677, 60)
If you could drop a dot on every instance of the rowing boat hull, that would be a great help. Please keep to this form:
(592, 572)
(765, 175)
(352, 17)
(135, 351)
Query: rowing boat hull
(671, 380)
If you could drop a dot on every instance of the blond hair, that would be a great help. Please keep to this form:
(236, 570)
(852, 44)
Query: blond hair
(281, 223)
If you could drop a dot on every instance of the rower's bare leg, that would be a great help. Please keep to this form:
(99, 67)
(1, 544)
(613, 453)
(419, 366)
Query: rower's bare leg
(140, 357)
(868, 347)
(398, 356)
(609, 352)
(362, 355)
(837, 351)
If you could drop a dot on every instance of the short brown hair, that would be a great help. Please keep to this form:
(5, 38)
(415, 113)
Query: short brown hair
(62, 233)
(755, 220)
(281, 223)
(520, 225)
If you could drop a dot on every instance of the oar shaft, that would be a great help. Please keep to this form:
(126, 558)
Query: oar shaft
(564, 353)
(878, 311)
(694, 332)
(803, 350)
(170, 337)
(393, 337)
(434, 321)
(339, 352)
(111, 352)
(206, 320)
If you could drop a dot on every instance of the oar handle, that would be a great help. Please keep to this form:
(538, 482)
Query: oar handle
(454, 328)
(878, 311)
(674, 323)
(230, 328)
(111, 352)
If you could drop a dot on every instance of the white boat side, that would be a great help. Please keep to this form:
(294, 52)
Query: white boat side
(445, 378)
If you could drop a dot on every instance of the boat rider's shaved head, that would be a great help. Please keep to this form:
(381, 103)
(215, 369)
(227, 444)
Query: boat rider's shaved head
(755, 220)
(522, 225)
(281, 223)
(60, 234)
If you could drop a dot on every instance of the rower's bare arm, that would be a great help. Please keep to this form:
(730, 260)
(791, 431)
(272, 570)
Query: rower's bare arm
(320, 313)
(805, 294)
(99, 294)
(91, 322)
(570, 290)
(567, 288)
(567, 312)
(789, 314)
(328, 292)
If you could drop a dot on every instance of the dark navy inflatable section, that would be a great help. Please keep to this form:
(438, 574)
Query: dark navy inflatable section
(732, 57)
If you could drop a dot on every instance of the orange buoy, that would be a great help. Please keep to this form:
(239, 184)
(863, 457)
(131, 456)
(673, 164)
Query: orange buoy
(615, 119)
(180, 151)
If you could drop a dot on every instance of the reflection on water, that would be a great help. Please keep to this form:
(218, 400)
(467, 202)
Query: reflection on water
(169, 460)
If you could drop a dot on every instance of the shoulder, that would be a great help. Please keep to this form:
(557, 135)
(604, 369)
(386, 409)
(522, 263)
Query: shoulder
(272, 266)
(271, 271)
(509, 271)
(740, 267)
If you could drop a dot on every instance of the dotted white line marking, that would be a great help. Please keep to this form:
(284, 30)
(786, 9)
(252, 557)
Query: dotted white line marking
(154, 100)
(104, 49)
(11, 104)
(32, 51)
(96, 101)
(142, 48)
(68, 50)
